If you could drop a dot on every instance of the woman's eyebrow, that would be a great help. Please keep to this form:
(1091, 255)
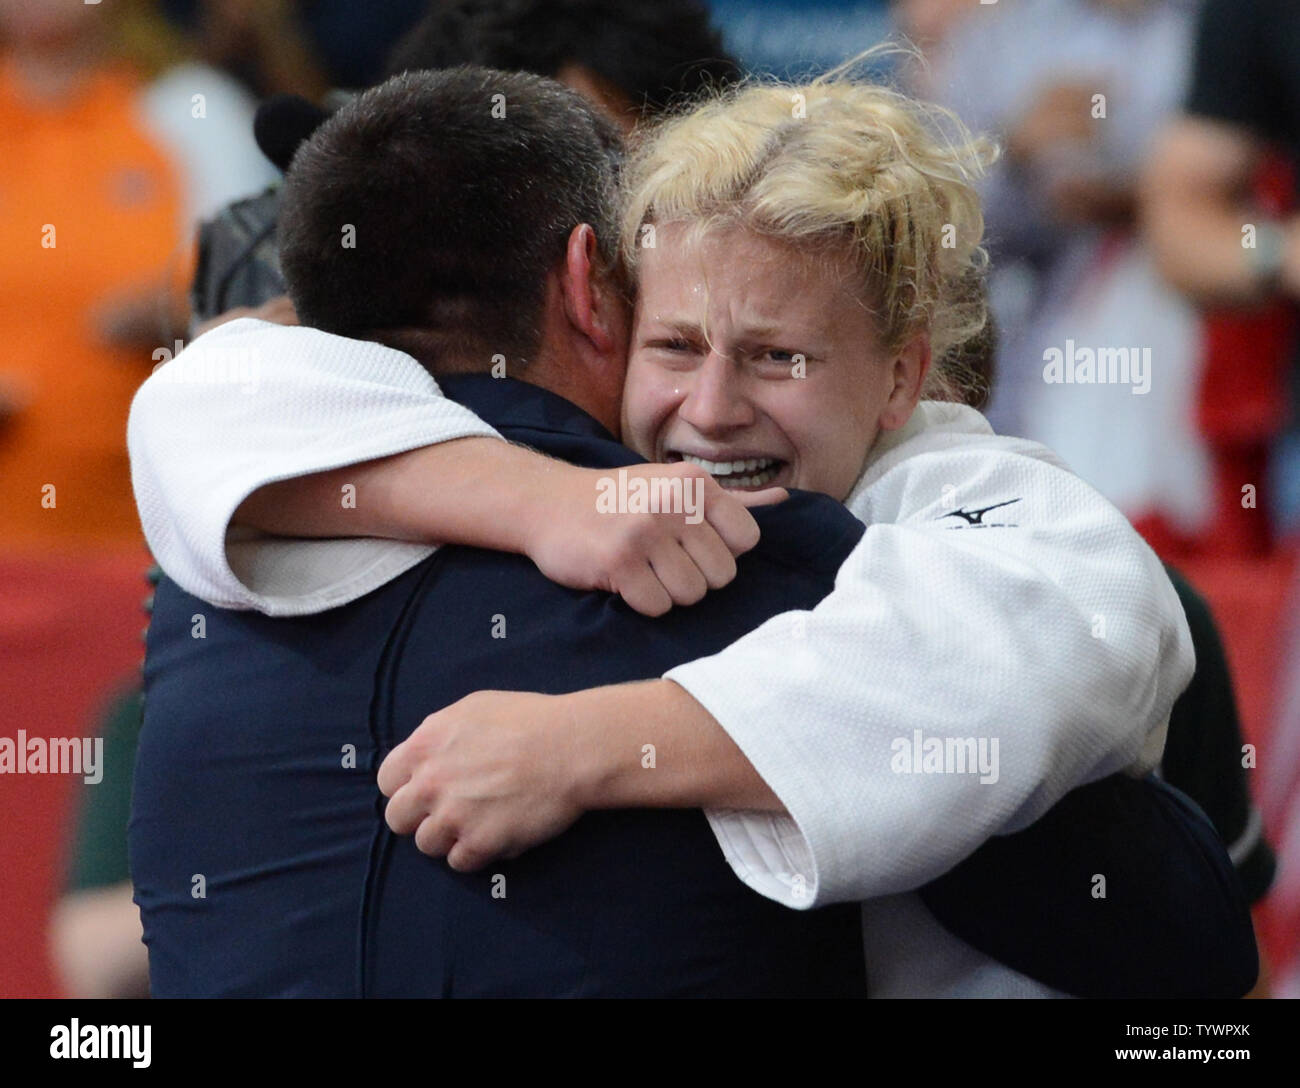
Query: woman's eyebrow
(763, 332)
(679, 326)
(775, 334)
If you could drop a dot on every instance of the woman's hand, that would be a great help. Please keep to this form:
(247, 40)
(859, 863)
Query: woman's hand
(487, 777)
(588, 531)
(498, 772)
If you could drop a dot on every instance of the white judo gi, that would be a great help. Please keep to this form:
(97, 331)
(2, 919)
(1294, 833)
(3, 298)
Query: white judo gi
(995, 607)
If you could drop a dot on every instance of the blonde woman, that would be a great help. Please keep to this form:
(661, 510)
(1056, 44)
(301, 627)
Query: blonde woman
(801, 257)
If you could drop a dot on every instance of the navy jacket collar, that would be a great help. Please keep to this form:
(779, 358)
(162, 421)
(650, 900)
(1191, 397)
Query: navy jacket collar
(506, 402)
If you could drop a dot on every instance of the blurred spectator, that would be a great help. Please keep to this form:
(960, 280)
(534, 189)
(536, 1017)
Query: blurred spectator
(92, 221)
(1245, 94)
(1223, 245)
(200, 115)
(118, 141)
(927, 25)
(265, 43)
(1075, 89)
(626, 57)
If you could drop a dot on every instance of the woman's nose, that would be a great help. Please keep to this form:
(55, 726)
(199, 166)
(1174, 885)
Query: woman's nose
(716, 400)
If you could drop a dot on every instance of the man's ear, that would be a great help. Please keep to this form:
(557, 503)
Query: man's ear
(588, 298)
(909, 370)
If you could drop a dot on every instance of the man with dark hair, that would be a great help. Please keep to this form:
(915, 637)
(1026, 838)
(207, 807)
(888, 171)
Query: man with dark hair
(480, 197)
(629, 58)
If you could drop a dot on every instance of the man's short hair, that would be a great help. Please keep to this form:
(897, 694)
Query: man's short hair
(653, 51)
(427, 212)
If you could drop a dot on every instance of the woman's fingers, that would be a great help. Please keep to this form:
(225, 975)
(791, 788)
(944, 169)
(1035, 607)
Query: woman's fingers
(729, 518)
(710, 555)
(667, 556)
(768, 496)
(641, 589)
(394, 771)
(678, 573)
(406, 810)
(434, 837)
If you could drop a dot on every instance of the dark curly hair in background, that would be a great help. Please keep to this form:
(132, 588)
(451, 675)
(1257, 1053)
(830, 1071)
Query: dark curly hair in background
(652, 52)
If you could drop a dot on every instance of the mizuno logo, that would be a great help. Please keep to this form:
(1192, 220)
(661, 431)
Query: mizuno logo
(976, 517)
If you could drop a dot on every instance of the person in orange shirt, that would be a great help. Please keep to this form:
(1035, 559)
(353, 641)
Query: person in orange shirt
(90, 240)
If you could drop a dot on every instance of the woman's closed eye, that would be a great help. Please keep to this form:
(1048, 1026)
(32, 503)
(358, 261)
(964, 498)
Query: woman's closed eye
(675, 352)
(774, 362)
(781, 362)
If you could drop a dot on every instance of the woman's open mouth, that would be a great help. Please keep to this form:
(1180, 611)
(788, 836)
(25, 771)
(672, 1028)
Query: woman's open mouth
(742, 474)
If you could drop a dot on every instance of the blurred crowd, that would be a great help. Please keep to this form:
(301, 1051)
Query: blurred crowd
(1142, 213)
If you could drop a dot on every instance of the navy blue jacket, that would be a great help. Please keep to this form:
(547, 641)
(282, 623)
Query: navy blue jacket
(262, 864)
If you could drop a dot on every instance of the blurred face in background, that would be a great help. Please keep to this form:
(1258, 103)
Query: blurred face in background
(927, 23)
(37, 24)
(758, 360)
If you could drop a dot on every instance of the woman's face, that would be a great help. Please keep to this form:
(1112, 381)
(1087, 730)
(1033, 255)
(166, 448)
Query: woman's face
(758, 361)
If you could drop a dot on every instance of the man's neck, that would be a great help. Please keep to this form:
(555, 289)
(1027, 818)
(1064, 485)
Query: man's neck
(564, 382)
(559, 369)
(547, 372)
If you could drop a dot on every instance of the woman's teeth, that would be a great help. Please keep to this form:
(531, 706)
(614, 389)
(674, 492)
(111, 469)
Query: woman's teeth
(736, 475)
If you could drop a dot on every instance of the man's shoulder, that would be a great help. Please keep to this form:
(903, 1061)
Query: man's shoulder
(809, 530)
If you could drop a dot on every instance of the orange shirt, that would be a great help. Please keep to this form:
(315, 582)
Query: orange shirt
(85, 167)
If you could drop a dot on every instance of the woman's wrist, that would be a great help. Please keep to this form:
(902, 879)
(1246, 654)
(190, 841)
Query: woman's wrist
(604, 750)
(650, 744)
(541, 501)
